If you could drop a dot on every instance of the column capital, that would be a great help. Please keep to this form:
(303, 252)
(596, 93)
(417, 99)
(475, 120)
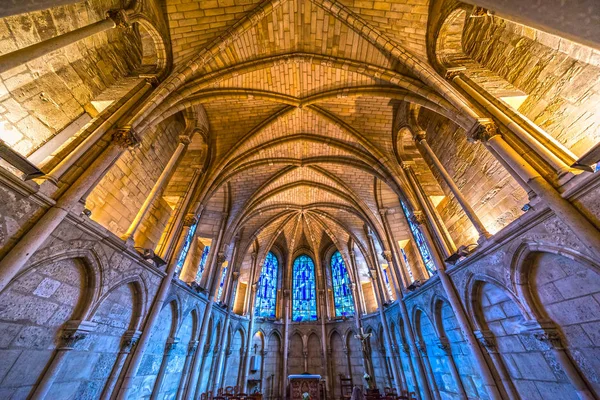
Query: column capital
(387, 255)
(421, 347)
(550, 338)
(130, 339)
(126, 138)
(443, 344)
(152, 79)
(254, 256)
(192, 346)
(185, 139)
(119, 17)
(452, 73)
(484, 130)
(373, 274)
(74, 332)
(419, 136)
(286, 293)
(487, 340)
(190, 220)
(235, 275)
(383, 211)
(417, 218)
(221, 257)
(254, 287)
(171, 344)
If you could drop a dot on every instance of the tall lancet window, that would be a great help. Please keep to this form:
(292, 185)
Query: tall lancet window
(202, 264)
(266, 295)
(342, 292)
(222, 283)
(420, 240)
(186, 247)
(304, 296)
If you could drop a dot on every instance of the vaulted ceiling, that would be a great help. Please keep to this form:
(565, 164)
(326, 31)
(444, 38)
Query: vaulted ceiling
(304, 110)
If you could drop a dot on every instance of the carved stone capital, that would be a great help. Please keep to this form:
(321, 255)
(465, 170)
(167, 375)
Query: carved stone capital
(443, 344)
(405, 349)
(171, 344)
(483, 131)
(383, 211)
(373, 274)
(184, 139)
(286, 293)
(235, 275)
(190, 220)
(125, 138)
(74, 332)
(387, 255)
(421, 348)
(420, 136)
(254, 287)
(119, 17)
(550, 338)
(130, 339)
(452, 73)
(254, 255)
(487, 340)
(417, 218)
(152, 79)
(221, 258)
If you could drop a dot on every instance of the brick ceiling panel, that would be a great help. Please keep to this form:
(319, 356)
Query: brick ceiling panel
(303, 195)
(300, 174)
(299, 26)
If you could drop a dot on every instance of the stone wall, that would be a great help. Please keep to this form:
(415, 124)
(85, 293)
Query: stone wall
(42, 97)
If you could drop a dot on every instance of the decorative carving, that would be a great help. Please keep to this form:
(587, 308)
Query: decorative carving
(190, 220)
(126, 138)
(184, 139)
(405, 349)
(171, 344)
(383, 211)
(364, 339)
(483, 131)
(152, 79)
(421, 347)
(129, 341)
(420, 136)
(192, 347)
(479, 12)
(549, 337)
(119, 17)
(69, 338)
(487, 340)
(417, 218)
(452, 73)
(387, 255)
(235, 275)
(444, 344)
(221, 258)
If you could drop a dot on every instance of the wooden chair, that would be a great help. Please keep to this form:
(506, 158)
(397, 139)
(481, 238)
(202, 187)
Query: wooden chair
(345, 387)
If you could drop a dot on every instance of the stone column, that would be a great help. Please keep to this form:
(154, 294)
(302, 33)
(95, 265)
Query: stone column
(392, 268)
(555, 158)
(488, 341)
(192, 348)
(443, 238)
(468, 210)
(411, 369)
(151, 319)
(396, 264)
(398, 361)
(384, 295)
(158, 187)
(386, 331)
(324, 351)
(444, 345)
(440, 236)
(551, 341)
(169, 347)
(193, 390)
(250, 334)
(165, 248)
(129, 341)
(219, 374)
(19, 57)
(80, 151)
(431, 378)
(585, 231)
(286, 340)
(18, 256)
(358, 290)
(74, 332)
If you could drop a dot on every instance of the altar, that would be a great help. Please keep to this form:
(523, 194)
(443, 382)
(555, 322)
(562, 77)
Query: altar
(304, 383)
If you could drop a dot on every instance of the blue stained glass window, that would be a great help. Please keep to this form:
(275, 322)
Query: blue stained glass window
(420, 240)
(202, 264)
(266, 295)
(342, 292)
(186, 247)
(304, 296)
(410, 275)
(220, 292)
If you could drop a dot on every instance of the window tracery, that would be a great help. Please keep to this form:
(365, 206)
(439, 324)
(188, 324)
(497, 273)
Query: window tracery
(342, 291)
(266, 295)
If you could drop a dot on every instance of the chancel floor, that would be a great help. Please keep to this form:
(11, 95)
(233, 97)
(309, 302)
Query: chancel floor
(299, 199)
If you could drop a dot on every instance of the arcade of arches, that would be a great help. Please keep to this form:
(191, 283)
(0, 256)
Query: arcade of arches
(196, 194)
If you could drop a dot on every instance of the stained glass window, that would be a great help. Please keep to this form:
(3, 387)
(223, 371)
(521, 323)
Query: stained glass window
(186, 247)
(266, 295)
(304, 296)
(342, 292)
(407, 264)
(222, 284)
(420, 240)
(202, 264)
